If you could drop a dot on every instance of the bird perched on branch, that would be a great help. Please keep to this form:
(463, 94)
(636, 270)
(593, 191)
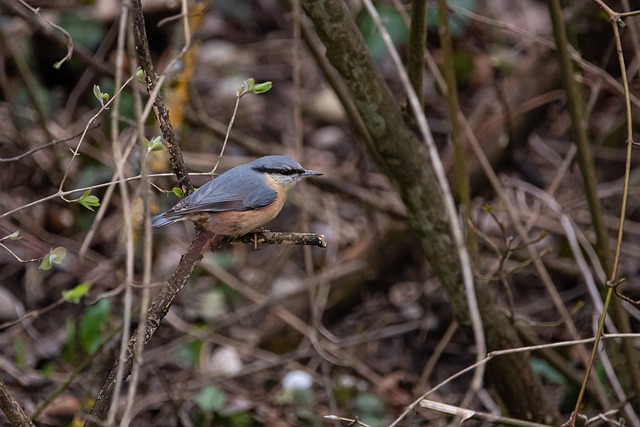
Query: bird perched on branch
(240, 200)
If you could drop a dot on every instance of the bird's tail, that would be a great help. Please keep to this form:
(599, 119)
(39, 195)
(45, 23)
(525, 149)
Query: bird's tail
(162, 220)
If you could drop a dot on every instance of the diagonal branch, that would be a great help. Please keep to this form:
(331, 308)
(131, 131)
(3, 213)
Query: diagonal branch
(12, 409)
(158, 310)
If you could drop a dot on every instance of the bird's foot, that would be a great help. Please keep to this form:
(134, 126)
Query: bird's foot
(255, 237)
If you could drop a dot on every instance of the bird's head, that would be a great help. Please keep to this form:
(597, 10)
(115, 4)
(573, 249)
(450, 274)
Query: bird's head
(283, 170)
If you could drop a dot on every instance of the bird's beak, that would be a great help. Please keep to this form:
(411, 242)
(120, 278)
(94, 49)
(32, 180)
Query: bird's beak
(311, 173)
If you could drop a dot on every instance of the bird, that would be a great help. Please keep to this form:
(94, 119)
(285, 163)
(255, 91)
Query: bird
(240, 200)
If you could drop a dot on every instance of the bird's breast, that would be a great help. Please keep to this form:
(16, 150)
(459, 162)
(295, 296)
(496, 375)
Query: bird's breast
(238, 223)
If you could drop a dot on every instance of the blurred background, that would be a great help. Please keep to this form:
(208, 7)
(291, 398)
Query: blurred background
(286, 335)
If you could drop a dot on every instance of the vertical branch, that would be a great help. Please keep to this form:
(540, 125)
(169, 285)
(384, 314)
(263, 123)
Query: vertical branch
(417, 45)
(147, 237)
(126, 206)
(159, 108)
(296, 60)
(462, 177)
(630, 351)
(575, 105)
(587, 168)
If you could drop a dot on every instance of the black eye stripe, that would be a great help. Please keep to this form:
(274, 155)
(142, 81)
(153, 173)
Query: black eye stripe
(282, 171)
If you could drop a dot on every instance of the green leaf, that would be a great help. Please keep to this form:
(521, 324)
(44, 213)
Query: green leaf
(55, 256)
(140, 74)
(263, 87)
(250, 86)
(97, 93)
(75, 294)
(154, 145)
(89, 201)
(92, 324)
(210, 399)
(100, 96)
(13, 236)
(178, 192)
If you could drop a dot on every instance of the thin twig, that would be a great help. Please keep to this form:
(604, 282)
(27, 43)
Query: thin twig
(239, 95)
(570, 231)
(47, 145)
(147, 243)
(120, 161)
(76, 151)
(65, 33)
(497, 353)
(575, 55)
(613, 266)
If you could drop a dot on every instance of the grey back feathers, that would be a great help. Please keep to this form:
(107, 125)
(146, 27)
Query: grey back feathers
(241, 188)
(276, 164)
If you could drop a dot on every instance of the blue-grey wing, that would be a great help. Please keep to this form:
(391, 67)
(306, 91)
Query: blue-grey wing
(228, 192)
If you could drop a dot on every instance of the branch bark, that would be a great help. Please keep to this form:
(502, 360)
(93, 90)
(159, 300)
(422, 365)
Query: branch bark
(266, 237)
(417, 46)
(12, 409)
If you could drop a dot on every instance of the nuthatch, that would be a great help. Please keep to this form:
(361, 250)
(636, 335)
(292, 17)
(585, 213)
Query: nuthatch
(240, 200)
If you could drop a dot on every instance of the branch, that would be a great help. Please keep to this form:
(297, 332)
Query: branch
(158, 310)
(417, 46)
(36, 22)
(266, 237)
(161, 111)
(12, 409)
(48, 144)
